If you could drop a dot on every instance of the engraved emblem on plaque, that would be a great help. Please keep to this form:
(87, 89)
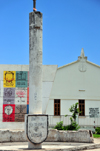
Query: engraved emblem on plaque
(37, 128)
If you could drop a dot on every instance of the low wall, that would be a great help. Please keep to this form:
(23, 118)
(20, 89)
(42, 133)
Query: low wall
(53, 136)
(70, 136)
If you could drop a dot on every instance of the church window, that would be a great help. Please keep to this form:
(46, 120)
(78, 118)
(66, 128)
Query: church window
(56, 107)
(82, 107)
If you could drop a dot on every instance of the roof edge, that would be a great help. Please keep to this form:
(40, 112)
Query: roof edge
(68, 64)
(78, 61)
(93, 63)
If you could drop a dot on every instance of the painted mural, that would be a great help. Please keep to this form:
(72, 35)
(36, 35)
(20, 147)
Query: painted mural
(9, 78)
(15, 95)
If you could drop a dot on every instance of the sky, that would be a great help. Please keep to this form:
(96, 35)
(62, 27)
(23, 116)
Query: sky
(68, 26)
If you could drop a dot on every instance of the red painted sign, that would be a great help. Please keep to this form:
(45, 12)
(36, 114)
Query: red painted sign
(8, 113)
(28, 95)
(21, 93)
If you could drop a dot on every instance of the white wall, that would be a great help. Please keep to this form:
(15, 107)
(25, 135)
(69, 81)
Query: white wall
(65, 105)
(48, 79)
(49, 72)
(9, 125)
(70, 83)
(50, 108)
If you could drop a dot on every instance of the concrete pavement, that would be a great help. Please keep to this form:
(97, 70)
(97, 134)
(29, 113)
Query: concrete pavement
(92, 150)
(52, 146)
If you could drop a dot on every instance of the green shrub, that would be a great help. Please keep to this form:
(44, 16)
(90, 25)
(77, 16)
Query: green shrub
(64, 128)
(97, 130)
(59, 126)
(73, 126)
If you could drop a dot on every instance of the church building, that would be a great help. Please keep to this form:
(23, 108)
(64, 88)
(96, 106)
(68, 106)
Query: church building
(78, 81)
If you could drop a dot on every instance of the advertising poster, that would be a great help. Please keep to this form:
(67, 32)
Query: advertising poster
(15, 95)
(9, 93)
(8, 113)
(9, 78)
(9, 96)
(21, 92)
(20, 111)
(21, 78)
(21, 96)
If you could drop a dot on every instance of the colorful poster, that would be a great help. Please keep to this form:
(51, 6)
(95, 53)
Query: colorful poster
(9, 78)
(28, 95)
(21, 96)
(8, 113)
(21, 93)
(9, 93)
(15, 100)
(21, 78)
(9, 96)
(20, 111)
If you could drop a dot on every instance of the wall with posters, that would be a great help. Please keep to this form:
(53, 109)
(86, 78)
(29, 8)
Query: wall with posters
(15, 100)
(14, 93)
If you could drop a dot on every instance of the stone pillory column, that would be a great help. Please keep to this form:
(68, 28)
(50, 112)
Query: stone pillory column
(35, 63)
(36, 122)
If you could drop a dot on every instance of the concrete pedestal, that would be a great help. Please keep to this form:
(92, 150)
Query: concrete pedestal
(35, 146)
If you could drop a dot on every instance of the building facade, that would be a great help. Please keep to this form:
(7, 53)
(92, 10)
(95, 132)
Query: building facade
(76, 82)
(62, 87)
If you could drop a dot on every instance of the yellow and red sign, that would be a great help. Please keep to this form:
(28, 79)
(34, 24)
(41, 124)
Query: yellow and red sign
(9, 78)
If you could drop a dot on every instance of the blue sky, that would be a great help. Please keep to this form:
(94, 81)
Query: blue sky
(68, 25)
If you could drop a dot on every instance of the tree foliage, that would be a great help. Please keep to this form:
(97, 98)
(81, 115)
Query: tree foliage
(74, 110)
